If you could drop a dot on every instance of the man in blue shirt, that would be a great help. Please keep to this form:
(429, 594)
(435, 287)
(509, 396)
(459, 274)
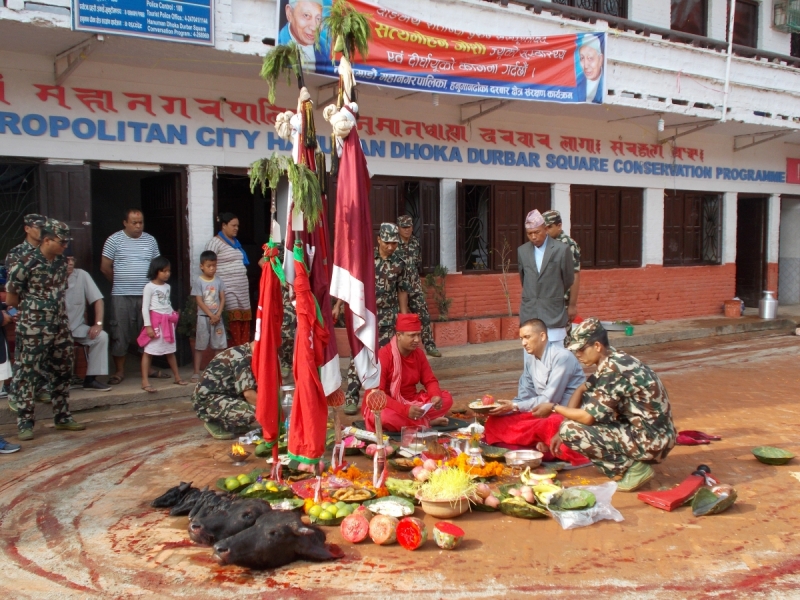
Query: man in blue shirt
(551, 376)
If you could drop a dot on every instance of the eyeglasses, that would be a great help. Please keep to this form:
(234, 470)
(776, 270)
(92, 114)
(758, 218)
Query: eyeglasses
(64, 243)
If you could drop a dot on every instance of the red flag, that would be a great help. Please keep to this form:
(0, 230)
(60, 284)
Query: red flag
(353, 262)
(269, 317)
(316, 244)
(309, 420)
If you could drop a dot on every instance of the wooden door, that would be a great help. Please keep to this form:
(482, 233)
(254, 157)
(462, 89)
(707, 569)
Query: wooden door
(582, 220)
(384, 201)
(461, 238)
(65, 194)
(429, 238)
(607, 246)
(161, 207)
(509, 227)
(751, 249)
(630, 228)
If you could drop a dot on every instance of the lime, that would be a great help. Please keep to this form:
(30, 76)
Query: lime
(342, 512)
(231, 483)
(341, 504)
(326, 505)
(314, 511)
(271, 488)
(324, 515)
(244, 480)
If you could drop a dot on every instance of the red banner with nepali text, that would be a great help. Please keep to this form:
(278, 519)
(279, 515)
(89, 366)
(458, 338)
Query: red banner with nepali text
(408, 53)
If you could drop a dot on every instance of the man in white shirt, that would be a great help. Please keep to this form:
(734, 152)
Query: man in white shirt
(125, 262)
(304, 18)
(550, 378)
(82, 290)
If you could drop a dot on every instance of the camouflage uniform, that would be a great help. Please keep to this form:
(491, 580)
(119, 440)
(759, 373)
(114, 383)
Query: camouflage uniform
(44, 346)
(288, 327)
(633, 418)
(219, 396)
(553, 217)
(411, 253)
(391, 277)
(20, 250)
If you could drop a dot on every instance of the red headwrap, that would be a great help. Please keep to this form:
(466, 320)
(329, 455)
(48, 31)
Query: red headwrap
(408, 322)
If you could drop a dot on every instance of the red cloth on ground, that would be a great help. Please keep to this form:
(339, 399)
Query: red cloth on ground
(415, 370)
(523, 429)
(309, 419)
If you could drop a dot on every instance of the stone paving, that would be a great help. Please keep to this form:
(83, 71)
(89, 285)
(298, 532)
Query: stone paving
(75, 520)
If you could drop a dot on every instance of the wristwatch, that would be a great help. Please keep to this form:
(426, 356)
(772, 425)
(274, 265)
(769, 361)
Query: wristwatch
(100, 323)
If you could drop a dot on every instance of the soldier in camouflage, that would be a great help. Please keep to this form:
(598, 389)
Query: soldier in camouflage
(33, 237)
(226, 396)
(392, 288)
(555, 229)
(621, 417)
(410, 251)
(37, 284)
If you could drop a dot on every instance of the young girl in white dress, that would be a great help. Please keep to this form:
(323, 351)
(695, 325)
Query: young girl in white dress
(159, 321)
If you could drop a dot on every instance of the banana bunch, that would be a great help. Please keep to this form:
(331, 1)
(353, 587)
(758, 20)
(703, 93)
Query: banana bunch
(528, 478)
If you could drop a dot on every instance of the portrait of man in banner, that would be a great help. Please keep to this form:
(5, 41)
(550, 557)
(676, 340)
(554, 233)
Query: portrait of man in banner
(592, 60)
(299, 21)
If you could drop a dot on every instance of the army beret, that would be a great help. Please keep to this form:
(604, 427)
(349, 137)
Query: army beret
(582, 333)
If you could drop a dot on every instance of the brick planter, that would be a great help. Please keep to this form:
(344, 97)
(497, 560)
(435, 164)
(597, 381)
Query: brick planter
(509, 328)
(450, 333)
(481, 331)
(342, 344)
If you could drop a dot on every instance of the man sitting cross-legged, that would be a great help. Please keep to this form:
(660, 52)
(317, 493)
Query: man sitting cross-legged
(551, 376)
(404, 366)
(621, 417)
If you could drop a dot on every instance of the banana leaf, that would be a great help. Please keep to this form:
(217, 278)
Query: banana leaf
(572, 499)
(517, 507)
(707, 502)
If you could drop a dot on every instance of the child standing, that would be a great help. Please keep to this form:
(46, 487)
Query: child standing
(158, 334)
(209, 292)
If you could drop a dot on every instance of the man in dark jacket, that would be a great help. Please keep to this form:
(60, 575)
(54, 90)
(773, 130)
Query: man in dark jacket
(546, 271)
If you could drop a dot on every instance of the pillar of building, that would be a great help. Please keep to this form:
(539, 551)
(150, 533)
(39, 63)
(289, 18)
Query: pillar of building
(653, 226)
(729, 214)
(789, 252)
(200, 200)
(559, 200)
(773, 240)
(448, 216)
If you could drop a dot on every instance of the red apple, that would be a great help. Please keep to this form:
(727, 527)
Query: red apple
(488, 400)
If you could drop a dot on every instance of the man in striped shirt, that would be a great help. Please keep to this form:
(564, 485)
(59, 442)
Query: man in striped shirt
(126, 259)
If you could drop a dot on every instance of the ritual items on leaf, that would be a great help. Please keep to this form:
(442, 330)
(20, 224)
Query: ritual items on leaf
(329, 513)
(402, 488)
(392, 506)
(353, 494)
(713, 501)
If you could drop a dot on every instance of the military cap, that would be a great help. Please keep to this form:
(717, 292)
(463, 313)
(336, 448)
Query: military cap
(582, 332)
(405, 221)
(34, 220)
(389, 233)
(57, 228)
(551, 217)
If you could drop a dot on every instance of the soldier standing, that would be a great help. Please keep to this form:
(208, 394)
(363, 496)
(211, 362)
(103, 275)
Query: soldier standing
(226, 396)
(555, 229)
(621, 418)
(37, 284)
(392, 288)
(410, 251)
(33, 237)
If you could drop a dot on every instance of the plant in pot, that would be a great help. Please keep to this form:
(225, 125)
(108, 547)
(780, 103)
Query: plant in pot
(446, 493)
(436, 282)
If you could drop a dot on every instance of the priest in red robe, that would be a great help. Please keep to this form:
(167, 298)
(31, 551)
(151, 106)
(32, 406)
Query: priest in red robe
(404, 366)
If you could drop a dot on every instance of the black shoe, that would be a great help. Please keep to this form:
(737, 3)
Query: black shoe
(97, 386)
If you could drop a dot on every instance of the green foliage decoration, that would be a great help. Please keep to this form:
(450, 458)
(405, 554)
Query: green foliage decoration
(266, 172)
(349, 28)
(281, 59)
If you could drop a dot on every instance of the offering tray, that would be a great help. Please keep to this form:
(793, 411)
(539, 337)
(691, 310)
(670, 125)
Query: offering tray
(482, 409)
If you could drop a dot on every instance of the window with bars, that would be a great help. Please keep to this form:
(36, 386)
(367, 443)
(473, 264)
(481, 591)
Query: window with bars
(18, 197)
(614, 8)
(491, 222)
(692, 228)
(689, 16)
(607, 224)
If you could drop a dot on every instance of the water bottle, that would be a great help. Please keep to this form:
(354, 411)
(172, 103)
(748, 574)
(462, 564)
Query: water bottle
(287, 397)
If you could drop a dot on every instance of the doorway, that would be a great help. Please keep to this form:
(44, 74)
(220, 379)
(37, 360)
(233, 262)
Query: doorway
(751, 248)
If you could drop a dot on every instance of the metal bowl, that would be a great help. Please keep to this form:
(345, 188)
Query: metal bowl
(523, 458)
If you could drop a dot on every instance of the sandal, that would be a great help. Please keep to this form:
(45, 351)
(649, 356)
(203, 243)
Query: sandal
(149, 389)
(194, 378)
(160, 375)
(180, 382)
(115, 380)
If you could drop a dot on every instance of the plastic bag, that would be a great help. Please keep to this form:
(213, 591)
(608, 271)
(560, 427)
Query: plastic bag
(572, 519)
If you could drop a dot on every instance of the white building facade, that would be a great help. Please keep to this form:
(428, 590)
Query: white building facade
(672, 221)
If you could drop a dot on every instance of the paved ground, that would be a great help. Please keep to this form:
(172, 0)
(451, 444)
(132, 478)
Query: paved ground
(75, 520)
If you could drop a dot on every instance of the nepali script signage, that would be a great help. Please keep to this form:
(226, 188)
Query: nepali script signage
(188, 21)
(409, 53)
